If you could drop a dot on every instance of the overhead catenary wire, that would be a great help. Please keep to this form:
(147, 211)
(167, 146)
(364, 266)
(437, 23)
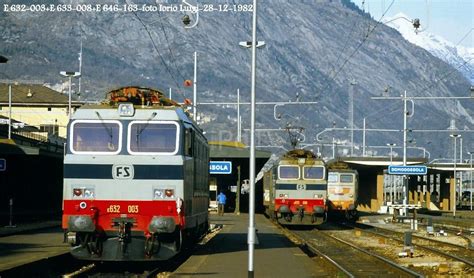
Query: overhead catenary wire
(442, 78)
(156, 49)
(359, 46)
(172, 56)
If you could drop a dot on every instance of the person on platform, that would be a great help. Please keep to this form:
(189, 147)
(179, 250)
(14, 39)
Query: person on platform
(221, 198)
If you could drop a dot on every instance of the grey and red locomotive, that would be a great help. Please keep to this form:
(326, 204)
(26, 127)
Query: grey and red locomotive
(135, 178)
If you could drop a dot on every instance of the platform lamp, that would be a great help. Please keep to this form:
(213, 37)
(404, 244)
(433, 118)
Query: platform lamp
(70, 74)
(470, 176)
(454, 136)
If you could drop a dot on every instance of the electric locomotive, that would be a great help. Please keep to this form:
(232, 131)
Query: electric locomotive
(135, 178)
(343, 185)
(295, 189)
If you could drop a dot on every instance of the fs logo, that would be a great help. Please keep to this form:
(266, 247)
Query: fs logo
(122, 172)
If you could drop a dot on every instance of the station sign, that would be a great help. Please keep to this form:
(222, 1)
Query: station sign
(3, 164)
(407, 170)
(220, 167)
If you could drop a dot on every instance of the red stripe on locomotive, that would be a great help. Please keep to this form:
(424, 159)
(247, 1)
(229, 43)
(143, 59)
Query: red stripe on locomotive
(104, 211)
(294, 204)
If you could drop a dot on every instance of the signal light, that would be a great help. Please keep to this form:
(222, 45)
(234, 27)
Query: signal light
(77, 192)
(188, 83)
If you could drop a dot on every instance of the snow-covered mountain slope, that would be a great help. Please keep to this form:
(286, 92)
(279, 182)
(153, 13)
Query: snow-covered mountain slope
(458, 56)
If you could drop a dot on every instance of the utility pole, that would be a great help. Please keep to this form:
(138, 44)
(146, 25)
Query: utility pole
(239, 134)
(80, 69)
(351, 114)
(195, 88)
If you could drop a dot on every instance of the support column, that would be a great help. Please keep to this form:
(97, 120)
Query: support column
(375, 203)
(452, 191)
(444, 191)
(412, 183)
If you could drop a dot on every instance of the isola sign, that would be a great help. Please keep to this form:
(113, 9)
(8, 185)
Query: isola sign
(407, 170)
(220, 167)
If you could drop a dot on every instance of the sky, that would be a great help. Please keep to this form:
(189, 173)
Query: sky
(450, 19)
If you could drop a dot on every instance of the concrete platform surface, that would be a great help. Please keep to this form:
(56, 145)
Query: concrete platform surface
(226, 254)
(20, 249)
(28, 227)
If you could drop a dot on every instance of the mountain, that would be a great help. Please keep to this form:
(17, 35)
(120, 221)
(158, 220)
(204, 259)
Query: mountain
(458, 56)
(314, 51)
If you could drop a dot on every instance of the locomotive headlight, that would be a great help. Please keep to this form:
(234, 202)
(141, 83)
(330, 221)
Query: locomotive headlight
(351, 195)
(169, 193)
(318, 196)
(126, 109)
(83, 193)
(77, 192)
(284, 196)
(158, 194)
(163, 193)
(89, 193)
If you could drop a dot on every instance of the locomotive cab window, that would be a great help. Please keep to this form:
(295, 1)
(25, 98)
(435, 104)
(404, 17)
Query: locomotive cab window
(333, 177)
(313, 172)
(95, 137)
(345, 178)
(153, 137)
(188, 142)
(288, 172)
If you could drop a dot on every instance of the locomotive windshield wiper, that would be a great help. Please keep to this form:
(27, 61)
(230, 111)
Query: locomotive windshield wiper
(139, 131)
(110, 144)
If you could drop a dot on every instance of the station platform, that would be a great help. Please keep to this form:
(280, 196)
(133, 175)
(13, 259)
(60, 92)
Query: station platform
(223, 255)
(226, 254)
(27, 243)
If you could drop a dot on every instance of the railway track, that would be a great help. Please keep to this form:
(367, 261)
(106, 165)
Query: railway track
(350, 259)
(456, 252)
(466, 236)
(140, 269)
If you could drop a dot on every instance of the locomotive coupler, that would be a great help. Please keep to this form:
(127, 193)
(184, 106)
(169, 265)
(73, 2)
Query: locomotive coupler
(301, 213)
(124, 225)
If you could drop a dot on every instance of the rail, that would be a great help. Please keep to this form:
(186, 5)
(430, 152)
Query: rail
(352, 265)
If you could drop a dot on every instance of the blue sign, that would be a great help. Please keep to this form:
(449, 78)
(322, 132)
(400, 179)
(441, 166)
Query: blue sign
(407, 170)
(3, 164)
(220, 167)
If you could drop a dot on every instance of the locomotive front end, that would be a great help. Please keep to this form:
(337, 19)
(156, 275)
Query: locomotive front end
(300, 189)
(126, 182)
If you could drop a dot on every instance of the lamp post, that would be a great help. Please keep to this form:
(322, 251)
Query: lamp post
(470, 176)
(351, 113)
(70, 74)
(392, 194)
(454, 136)
(251, 229)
